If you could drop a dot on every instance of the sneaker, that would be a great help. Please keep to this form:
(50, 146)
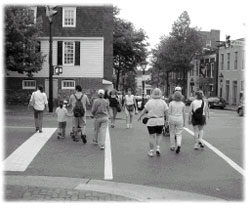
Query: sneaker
(196, 146)
(151, 153)
(102, 147)
(178, 149)
(158, 153)
(112, 125)
(201, 145)
(84, 140)
(40, 131)
(172, 148)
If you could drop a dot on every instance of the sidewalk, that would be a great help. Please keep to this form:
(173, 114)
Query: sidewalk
(45, 188)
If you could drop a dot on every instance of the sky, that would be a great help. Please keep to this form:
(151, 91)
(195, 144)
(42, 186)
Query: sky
(156, 17)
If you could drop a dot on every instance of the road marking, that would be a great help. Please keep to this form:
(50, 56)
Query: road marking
(20, 159)
(220, 154)
(108, 170)
(18, 127)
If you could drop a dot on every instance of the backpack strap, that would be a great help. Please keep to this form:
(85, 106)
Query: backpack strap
(77, 98)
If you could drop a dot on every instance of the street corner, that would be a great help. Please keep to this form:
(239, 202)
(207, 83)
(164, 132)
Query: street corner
(41, 188)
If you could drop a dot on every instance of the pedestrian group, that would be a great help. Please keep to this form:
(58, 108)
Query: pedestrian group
(157, 115)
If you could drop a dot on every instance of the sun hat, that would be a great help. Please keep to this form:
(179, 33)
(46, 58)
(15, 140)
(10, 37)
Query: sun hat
(156, 93)
(177, 88)
(101, 91)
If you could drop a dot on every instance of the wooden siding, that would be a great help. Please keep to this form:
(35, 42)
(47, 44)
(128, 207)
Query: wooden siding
(91, 59)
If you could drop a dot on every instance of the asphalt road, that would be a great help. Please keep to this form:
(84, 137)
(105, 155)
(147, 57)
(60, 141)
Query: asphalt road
(202, 171)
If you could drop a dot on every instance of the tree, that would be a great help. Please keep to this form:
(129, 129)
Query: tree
(176, 51)
(21, 41)
(129, 47)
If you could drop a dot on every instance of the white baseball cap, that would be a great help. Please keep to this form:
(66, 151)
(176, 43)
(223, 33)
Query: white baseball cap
(100, 91)
(177, 88)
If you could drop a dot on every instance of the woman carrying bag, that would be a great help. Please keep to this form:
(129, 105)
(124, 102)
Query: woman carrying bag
(156, 110)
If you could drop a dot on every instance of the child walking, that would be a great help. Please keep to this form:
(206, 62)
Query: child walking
(61, 113)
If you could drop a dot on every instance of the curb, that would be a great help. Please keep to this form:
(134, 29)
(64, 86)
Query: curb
(131, 192)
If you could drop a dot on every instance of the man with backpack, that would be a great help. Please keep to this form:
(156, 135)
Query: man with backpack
(79, 101)
(197, 117)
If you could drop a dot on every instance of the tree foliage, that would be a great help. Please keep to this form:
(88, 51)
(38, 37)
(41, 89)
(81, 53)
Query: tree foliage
(176, 51)
(21, 43)
(130, 47)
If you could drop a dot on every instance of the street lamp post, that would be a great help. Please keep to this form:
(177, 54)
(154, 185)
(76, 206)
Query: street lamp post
(221, 83)
(50, 12)
(50, 70)
(143, 65)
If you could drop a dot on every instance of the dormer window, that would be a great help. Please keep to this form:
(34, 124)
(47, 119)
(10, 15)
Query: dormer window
(69, 17)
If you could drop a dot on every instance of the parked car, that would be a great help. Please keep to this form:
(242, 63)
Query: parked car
(240, 110)
(216, 102)
(189, 100)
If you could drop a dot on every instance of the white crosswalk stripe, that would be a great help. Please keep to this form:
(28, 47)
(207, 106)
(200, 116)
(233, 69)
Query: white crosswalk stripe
(20, 159)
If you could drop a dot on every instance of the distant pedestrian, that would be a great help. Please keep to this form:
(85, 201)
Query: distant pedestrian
(61, 113)
(176, 114)
(197, 117)
(39, 103)
(157, 111)
(179, 89)
(114, 106)
(100, 112)
(130, 108)
(79, 114)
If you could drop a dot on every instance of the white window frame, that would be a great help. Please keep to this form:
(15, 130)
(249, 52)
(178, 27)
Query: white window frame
(68, 87)
(69, 64)
(28, 87)
(208, 43)
(74, 17)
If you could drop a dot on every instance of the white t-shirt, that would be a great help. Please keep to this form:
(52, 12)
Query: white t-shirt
(196, 104)
(38, 100)
(156, 108)
(176, 108)
(61, 114)
(129, 100)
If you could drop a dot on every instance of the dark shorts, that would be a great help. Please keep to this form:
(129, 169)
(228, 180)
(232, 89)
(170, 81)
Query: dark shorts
(201, 122)
(62, 124)
(155, 129)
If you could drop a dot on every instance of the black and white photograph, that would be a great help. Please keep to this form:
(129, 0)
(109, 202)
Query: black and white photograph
(124, 102)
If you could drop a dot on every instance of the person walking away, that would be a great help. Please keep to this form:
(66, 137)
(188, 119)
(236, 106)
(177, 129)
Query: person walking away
(130, 108)
(61, 113)
(197, 117)
(176, 113)
(113, 103)
(100, 112)
(79, 112)
(156, 110)
(39, 102)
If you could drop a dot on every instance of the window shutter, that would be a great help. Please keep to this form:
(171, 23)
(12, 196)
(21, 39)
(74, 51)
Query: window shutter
(59, 53)
(77, 53)
(38, 47)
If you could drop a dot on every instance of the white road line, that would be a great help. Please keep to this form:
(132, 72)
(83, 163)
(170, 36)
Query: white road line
(18, 127)
(20, 159)
(220, 154)
(108, 170)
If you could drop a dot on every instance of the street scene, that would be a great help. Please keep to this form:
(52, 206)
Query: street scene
(67, 170)
(102, 104)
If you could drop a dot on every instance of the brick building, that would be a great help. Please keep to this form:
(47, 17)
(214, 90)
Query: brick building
(204, 74)
(231, 71)
(82, 46)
